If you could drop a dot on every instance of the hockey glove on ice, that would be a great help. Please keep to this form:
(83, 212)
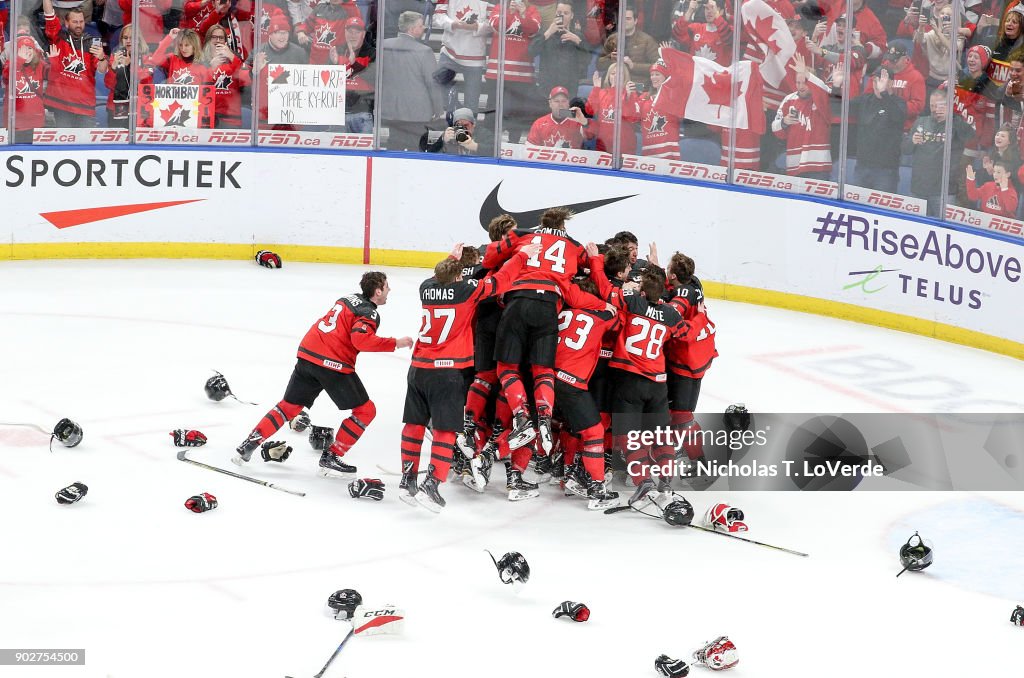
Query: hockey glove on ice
(367, 487)
(275, 450)
(188, 438)
(671, 668)
(201, 503)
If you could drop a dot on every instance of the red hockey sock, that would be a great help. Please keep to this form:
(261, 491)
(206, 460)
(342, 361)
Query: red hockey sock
(442, 452)
(479, 392)
(502, 412)
(353, 428)
(570, 444)
(273, 420)
(512, 386)
(412, 444)
(689, 428)
(593, 451)
(544, 389)
(606, 422)
(521, 457)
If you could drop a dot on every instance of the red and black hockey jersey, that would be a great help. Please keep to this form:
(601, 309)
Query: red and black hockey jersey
(690, 354)
(72, 77)
(347, 329)
(550, 271)
(646, 327)
(579, 344)
(446, 336)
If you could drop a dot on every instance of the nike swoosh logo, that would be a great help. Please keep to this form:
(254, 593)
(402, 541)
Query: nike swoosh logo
(492, 208)
(68, 218)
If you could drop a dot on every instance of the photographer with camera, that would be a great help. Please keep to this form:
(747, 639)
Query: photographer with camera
(461, 137)
(119, 78)
(563, 127)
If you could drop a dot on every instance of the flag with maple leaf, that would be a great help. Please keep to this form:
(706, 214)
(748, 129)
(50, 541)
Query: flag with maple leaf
(700, 89)
(766, 27)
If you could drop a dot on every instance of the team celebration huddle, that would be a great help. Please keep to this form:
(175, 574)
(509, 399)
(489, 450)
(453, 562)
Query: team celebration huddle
(527, 348)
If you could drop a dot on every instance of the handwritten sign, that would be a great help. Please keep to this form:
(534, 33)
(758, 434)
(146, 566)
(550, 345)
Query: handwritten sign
(306, 95)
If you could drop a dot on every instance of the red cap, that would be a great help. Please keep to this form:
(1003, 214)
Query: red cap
(660, 67)
(25, 41)
(555, 91)
(279, 22)
(355, 22)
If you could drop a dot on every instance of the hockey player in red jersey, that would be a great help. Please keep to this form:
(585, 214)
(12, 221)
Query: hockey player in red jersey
(436, 389)
(529, 325)
(688, 357)
(641, 394)
(580, 335)
(327, 362)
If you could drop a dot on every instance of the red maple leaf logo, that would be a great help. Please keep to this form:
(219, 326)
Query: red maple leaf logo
(718, 88)
(278, 75)
(175, 115)
(764, 28)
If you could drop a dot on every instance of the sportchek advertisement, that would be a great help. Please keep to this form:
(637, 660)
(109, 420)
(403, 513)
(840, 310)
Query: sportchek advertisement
(799, 247)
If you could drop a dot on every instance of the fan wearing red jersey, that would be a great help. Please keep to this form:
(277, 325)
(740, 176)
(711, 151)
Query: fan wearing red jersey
(327, 362)
(580, 335)
(529, 325)
(689, 357)
(436, 389)
(641, 394)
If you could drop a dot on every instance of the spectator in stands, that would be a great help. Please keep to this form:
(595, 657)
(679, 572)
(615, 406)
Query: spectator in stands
(1002, 150)
(659, 123)
(122, 73)
(907, 82)
(880, 120)
(464, 44)
(831, 56)
(278, 50)
(519, 98)
(997, 196)
(30, 74)
(971, 104)
(324, 29)
(409, 98)
(195, 13)
(707, 32)
(462, 137)
(1009, 38)
(803, 121)
(926, 141)
(151, 20)
(563, 127)
(394, 9)
(1010, 97)
(236, 17)
(932, 41)
(230, 77)
(603, 107)
(180, 55)
(872, 35)
(360, 57)
(640, 52)
(62, 7)
(75, 59)
(563, 54)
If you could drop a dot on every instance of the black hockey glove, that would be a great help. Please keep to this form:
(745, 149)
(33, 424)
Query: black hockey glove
(575, 611)
(367, 487)
(671, 668)
(268, 259)
(300, 422)
(321, 437)
(188, 438)
(201, 503)
(71, 493)
(275, 450)
(1016, 618)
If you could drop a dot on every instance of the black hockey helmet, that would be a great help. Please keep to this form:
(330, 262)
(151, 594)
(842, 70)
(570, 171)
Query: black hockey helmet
(736, 418)
(679, 512)
(344, 602)
(217, 388)
(1017, 616)
(512, 567)
(67, 432)
(916, 554)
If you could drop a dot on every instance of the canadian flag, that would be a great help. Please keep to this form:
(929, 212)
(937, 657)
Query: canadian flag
(700, 89)
(765, 26)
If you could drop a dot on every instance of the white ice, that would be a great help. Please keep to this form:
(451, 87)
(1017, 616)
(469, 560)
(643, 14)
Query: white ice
(150, 589)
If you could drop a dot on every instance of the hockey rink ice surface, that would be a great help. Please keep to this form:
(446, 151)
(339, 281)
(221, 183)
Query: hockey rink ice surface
(150, 589)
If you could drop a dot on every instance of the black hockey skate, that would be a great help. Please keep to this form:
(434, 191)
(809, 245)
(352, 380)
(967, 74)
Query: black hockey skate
(479, 471)
(600, 497)
(522, 433)
(331, 466)
(544, 431)
(519, 489)
(243, 453)
(429, 496)
(409, 485)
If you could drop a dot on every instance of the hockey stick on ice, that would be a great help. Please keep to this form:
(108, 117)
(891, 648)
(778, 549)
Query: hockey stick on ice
(386, 620)
(34, 427)
(392, 472)
(618, 509)
(182, 457)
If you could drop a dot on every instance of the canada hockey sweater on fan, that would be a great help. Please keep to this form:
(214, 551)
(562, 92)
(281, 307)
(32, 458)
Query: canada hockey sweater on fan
(519, 30)
(808, 146)
(72, 76)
